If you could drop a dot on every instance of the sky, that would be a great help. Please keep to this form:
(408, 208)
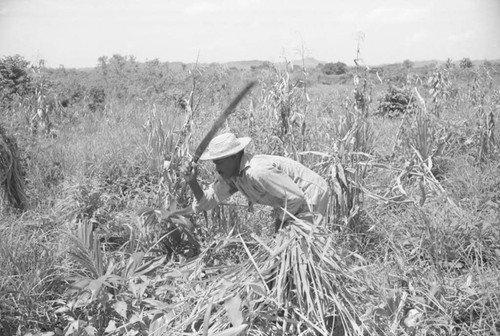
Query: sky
(75, 33)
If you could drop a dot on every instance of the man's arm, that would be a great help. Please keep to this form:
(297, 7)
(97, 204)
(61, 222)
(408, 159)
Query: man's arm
(206, 199)
(190, 173)
(196, 189)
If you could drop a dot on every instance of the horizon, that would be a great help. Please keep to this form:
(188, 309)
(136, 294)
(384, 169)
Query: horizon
(76, 35)
(415, 62)
(294, 61)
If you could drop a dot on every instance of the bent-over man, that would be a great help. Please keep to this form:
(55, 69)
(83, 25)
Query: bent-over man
(275, 181)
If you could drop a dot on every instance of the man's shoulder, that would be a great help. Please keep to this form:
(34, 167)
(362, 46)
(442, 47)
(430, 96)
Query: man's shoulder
(273, 160)
(263, 164)
(260, 164)
(264, 160)
(269, 162)
(262, 157)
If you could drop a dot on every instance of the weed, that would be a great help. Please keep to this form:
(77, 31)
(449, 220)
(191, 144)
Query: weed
(107, 243)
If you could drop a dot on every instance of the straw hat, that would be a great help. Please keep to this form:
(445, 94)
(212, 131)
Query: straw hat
(224, 145)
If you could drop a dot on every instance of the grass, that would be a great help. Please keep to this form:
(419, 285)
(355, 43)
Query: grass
(31, 273)
(411, 249)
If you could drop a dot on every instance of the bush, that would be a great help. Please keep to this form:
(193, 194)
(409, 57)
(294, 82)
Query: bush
(396, 102)
(97, 99)
(338, 68)
(466, 63)
(14, 78)
(407, 64)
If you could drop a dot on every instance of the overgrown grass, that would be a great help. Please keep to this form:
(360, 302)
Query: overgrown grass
(411, 246)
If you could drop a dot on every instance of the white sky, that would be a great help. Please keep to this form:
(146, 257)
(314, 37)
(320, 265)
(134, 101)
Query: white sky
(75, 33)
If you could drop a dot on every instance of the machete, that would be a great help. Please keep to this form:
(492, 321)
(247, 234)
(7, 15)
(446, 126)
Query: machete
(220, 121)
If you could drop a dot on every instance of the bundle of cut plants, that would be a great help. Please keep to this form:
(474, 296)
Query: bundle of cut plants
(293, 284)
(11, 181)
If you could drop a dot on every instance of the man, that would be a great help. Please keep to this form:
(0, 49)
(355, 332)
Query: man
(276, 181)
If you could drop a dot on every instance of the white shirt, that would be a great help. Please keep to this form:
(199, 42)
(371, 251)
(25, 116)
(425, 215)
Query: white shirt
(271, 180)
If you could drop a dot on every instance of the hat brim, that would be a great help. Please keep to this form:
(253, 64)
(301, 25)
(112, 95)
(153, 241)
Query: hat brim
(243, 142)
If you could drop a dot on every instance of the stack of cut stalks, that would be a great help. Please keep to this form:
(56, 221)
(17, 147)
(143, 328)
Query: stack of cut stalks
(293, 284)
(11, 181)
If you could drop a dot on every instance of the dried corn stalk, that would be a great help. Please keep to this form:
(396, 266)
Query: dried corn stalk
(11, 181)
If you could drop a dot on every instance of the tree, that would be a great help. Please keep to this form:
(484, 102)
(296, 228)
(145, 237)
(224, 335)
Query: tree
(407, 64)
(338, 68)
(449, 64)
(466, 63)
(14, 77)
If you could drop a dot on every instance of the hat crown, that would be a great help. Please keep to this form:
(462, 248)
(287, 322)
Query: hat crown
(224, 145)
(221, 140)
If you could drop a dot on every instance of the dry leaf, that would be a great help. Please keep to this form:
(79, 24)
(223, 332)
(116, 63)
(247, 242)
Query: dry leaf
(413, 318)
(233, 310)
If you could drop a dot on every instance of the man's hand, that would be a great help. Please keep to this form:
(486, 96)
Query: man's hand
(189, 171)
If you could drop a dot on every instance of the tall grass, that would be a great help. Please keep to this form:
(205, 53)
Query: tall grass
(411, 246)
(32, 273)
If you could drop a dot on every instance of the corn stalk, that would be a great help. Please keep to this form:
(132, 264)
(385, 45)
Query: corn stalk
(486, 143)
(282, 98)
(352, 146)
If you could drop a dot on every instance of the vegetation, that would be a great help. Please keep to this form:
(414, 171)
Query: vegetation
(466, 63)
(97, 237)
(338, 68)
(397, 102)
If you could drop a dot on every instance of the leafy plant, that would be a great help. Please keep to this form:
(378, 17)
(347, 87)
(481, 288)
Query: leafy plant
(338, 68)
(441, 89)
(396, 102)
(486, 144)
(109, 295)
(96, 99)
(283, 99)
(410, 246)
(14, 79)
(466, 63)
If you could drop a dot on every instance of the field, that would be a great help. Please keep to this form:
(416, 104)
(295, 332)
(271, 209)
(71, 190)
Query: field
(96, 236)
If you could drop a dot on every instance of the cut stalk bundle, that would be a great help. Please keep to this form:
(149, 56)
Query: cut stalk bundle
(11, 181)
(293, 284)
(309, 280)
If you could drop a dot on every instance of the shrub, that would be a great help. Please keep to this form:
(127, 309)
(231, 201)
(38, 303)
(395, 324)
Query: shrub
(97, 98)
(396, 102)
(466, 63)
(407, 64)
(14, 79)
(338, 68)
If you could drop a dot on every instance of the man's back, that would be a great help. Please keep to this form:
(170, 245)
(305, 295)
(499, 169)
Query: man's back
(275, 180)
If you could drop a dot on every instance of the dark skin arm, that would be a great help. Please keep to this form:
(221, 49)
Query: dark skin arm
(190, 173)
(195, 187)
(226, 167)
